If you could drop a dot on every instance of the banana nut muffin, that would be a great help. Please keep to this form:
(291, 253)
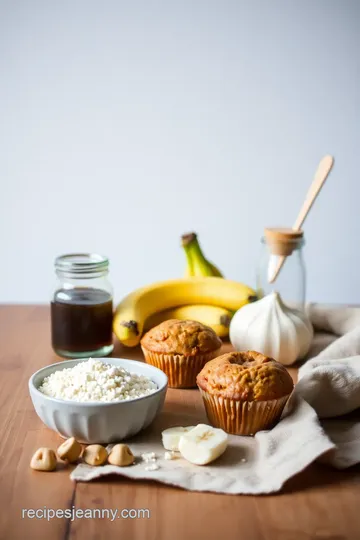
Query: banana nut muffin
(244, 392)
(180, 349)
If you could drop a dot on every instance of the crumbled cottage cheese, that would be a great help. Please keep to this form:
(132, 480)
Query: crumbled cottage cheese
(94, 380)
(148, 456)
(152, 467)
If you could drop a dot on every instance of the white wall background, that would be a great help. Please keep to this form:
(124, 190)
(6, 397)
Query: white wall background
(125, 124)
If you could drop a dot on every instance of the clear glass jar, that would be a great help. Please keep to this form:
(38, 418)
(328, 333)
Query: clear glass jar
(291, 279)
(82, 306)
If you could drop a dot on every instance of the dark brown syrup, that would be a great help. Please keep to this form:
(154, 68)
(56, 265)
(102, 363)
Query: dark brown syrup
(81, 320)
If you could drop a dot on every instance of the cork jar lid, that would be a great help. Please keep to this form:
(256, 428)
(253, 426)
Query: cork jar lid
(283, 241)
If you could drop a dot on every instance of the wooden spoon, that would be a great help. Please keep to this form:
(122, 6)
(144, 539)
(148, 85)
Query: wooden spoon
(321, 175)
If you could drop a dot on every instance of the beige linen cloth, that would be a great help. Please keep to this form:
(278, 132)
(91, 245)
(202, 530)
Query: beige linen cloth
(328, 388)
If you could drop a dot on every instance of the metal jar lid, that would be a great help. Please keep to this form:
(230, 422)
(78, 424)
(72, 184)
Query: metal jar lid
(81, 263)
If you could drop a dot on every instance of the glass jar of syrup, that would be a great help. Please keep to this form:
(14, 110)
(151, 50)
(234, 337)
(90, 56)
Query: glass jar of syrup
(82, 306)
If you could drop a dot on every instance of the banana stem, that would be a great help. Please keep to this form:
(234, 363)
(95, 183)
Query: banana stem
(192, 247)
(190, 263)
(188, 238)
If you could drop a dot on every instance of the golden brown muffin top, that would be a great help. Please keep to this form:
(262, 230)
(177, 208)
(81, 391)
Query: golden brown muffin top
(181, 337)
(247, 376)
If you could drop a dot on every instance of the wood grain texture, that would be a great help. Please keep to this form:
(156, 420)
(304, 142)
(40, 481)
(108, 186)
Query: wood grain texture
(318, 503)
(25, 347)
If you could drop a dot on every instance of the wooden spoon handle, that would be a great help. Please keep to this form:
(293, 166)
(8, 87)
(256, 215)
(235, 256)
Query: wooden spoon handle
(321, 175)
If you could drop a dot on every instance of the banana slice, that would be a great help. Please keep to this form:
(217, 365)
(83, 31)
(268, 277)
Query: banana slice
(171, 437)
(203, 444)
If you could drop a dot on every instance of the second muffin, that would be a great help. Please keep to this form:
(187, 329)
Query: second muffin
(180, 349)
(244, 392)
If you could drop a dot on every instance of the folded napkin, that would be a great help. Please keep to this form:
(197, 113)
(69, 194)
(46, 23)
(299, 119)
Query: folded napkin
(310, 428)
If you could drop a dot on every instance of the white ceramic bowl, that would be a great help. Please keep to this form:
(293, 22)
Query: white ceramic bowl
(99, 422)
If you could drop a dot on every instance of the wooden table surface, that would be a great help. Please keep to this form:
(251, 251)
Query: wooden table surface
(319, 503)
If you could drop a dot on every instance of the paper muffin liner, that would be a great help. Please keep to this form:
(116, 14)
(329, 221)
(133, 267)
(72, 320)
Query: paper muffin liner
(181, 370)
(242, 417)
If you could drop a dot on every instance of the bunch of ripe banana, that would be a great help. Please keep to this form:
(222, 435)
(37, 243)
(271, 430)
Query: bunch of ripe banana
(203, 295)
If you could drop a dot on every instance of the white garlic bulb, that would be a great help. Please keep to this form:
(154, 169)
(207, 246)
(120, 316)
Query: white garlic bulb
(270, 327)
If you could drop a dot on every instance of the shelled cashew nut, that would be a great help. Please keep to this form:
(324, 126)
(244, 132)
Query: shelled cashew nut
(95, 454)
(69, 450)
(44, 459)
(121, 455)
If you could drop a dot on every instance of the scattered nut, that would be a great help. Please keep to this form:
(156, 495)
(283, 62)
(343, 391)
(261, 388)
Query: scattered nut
(44, 459)
(95, 454)
(69, 450)
(121, 455)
